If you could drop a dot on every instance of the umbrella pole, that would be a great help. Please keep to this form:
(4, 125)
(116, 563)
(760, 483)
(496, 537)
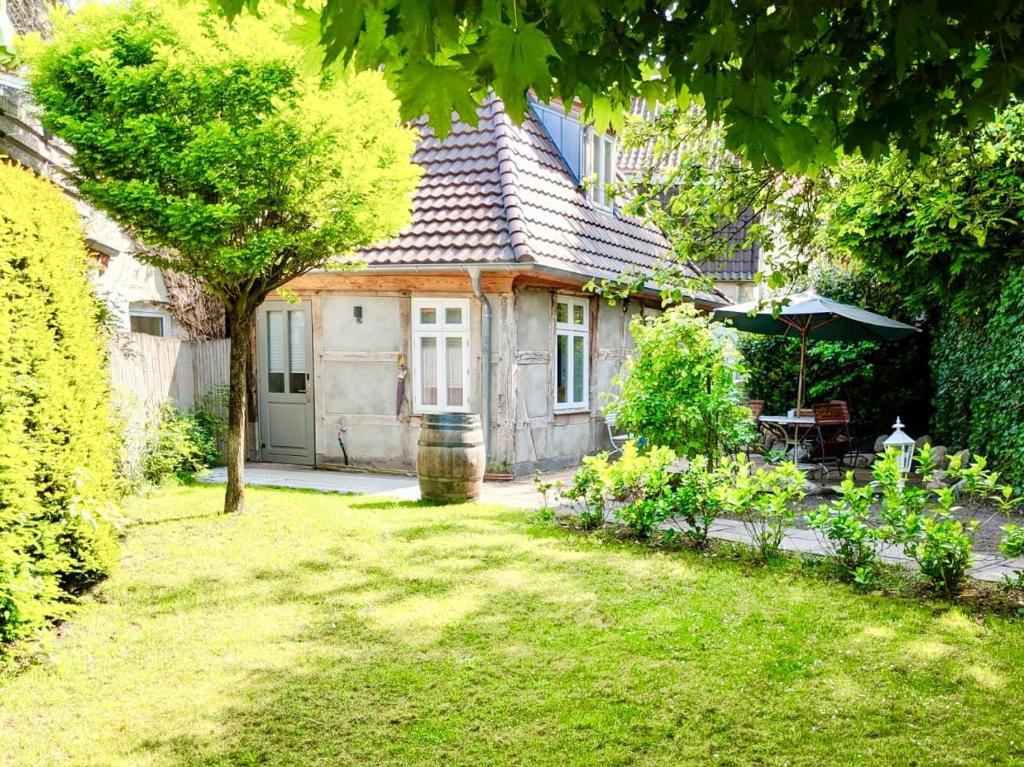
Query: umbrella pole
(803, 363)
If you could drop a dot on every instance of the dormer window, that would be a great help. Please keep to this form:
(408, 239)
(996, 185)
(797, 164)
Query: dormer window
(600, 168)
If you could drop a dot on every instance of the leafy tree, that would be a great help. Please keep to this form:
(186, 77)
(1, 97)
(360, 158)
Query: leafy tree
(711, 202)
(225, 152)
(679, 389)
(945, 229)
(789, 80)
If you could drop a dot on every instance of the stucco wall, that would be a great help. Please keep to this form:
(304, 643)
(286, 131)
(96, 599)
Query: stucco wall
(545, 438)
(357, 367)
(356, 377)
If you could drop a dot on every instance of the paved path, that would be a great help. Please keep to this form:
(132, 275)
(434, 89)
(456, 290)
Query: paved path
(522, 493)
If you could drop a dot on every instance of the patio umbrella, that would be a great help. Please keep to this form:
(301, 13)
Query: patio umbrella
(808, 315)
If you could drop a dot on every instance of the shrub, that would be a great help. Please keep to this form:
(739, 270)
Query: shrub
(679, 390)
(57, 441)
(638, 481)
(925, 524)
(182, 445)
(846, 526)
(978, 365)
(763, 499)
(586, 492)
(693, 500)
(1012, 541)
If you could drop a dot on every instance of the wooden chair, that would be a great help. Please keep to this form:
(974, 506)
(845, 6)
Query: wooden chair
(831, 436)
(757, 444)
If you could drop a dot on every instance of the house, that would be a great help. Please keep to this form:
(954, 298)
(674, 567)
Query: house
(479, 305)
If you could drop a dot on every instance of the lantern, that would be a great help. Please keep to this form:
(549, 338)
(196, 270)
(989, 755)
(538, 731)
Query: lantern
(903, 445)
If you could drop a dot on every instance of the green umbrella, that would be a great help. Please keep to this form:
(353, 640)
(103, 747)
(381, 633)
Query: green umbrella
(809, 315)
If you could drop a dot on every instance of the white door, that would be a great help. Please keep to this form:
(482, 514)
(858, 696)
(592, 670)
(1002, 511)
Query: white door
(284, 344)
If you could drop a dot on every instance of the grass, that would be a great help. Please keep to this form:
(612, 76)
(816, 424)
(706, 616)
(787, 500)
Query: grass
(330, 630)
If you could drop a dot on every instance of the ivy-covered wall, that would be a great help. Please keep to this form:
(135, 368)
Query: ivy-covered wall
(979, 381)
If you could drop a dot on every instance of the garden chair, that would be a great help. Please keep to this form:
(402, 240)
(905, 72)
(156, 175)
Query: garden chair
(759, 444)
(831, 437)
(617, 440)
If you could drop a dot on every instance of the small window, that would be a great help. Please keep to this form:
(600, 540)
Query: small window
(600, 169)
(151, 324)
(572, 353)
(440, 372)
(275, 352)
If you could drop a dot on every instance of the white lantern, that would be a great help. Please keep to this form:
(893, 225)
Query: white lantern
(903, 445)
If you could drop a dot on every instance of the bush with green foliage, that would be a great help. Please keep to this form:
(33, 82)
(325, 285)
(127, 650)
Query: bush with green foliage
(878, 380)
(979, 364)
(679, 389)
(57, 439)
(1012, 541)
(182, 445)
(692, 500)
(638, 481)
(764, 500)
(586, 492)
(924, 523)
(848, 530)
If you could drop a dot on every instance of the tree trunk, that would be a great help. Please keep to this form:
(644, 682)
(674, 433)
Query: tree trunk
(241, 348)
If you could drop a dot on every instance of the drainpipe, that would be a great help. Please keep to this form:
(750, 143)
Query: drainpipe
(488, 325)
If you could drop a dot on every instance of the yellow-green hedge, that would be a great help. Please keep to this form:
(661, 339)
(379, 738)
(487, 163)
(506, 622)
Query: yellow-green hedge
(57, 441)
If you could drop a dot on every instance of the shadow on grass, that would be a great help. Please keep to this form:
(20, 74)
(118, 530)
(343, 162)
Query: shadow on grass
(459, 642)
(182, 518)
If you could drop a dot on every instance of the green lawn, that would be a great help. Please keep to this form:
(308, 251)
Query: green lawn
(324, 630)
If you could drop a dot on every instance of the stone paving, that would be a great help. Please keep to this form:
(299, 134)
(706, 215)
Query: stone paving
(521, 493)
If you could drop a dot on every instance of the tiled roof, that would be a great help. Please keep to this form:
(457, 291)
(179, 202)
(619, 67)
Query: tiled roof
(744, 263)
(501, 193)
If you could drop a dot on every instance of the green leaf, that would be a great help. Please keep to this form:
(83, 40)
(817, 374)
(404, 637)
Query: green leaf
(577, 15)
(519, 57)
(428, 89)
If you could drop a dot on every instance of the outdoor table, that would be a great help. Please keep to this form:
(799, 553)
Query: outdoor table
(793, 429)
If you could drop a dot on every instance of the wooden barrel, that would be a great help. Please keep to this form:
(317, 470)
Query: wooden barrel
(451, 457)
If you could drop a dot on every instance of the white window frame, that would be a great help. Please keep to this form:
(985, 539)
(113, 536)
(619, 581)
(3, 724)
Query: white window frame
(599, 173)
(164, 324)
(572, 330)
(440, 331)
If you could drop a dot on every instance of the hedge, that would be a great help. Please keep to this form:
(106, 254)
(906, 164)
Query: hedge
(979, 370)
(57, 441)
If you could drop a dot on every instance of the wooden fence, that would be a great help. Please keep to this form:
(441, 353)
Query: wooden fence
(148, 371)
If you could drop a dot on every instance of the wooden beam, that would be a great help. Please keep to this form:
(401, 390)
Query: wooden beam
(367, 281)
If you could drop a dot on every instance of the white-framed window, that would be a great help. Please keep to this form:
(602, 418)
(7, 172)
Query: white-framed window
(440, 355)
(148, 321)
(600, 168)
(572, 353)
